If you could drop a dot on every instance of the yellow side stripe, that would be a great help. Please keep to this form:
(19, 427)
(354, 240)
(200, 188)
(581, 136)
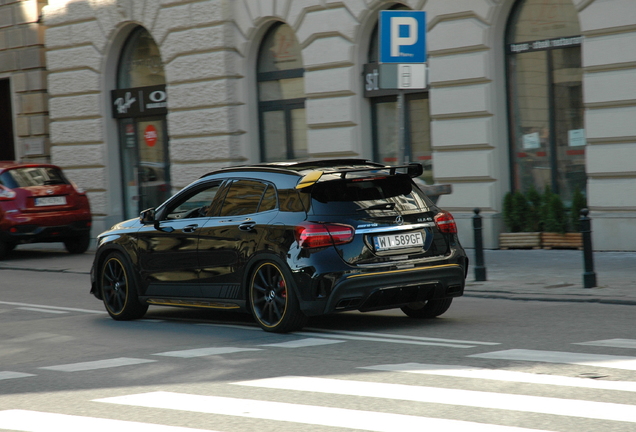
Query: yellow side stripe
(404, 270)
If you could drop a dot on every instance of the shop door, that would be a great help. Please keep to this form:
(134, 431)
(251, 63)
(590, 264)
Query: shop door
(145, 166)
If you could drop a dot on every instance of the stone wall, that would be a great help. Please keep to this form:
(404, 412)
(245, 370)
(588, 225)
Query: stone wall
(22, 61)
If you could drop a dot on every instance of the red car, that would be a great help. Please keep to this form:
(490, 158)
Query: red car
(39, 204)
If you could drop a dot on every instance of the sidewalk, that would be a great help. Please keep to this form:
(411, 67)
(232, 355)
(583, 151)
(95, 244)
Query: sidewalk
(554, 275)
(547, 275)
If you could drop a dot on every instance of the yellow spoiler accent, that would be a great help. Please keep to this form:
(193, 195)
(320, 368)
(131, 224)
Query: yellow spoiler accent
(309, 179)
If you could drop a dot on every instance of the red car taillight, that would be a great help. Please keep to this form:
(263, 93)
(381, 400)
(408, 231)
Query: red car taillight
(315, 235)
(6, 194)
(445, 222)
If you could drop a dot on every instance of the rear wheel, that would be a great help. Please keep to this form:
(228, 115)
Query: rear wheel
(5, 248)
(272, 300)
(119, 290)
(78, 245)
(427, 309)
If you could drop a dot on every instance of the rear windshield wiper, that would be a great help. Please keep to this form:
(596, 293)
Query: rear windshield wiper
(385, 206)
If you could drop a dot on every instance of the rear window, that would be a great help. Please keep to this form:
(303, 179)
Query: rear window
(32, 176)
(371, 195)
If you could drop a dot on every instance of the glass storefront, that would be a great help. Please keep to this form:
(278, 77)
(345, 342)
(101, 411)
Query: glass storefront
(281, 95)
(139, 103)
(546, 97)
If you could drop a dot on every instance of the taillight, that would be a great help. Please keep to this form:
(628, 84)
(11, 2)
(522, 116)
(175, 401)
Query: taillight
(6, 194)
(78, 189)
(445, 222)
(315, 235)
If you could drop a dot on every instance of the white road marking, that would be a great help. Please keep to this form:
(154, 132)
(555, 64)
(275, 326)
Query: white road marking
(10, 375)
(597, 360)
(301, 343)
(469, 398)
(305, 414)
(403, 337)
(612, 343)
(202, 352)
(383, 338)
(505, 375)
(34, 421)
(53, 307)
(51, 311)
(99, 364)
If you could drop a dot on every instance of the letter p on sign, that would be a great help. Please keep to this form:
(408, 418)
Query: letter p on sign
(402, 36)
(399, 27)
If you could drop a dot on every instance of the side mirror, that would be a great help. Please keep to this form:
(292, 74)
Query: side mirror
(147, 216)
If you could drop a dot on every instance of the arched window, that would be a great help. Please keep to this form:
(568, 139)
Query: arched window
(385, 122)
(281, 95)
(547, 132)
(140, 107)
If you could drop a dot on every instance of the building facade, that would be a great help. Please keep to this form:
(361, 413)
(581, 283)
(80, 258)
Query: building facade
(144, 96)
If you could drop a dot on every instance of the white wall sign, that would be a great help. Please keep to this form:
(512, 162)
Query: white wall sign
(531, 141)
(576, 137)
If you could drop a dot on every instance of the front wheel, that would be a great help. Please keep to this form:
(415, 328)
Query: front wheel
(272, 300)
(427, 309)
(119, 290)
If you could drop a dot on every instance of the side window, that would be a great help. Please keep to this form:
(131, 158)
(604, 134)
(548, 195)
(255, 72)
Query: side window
(245, 196)
(269, 199)
(196, 204)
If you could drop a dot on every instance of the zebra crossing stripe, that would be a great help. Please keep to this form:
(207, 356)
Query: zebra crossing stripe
(612, 343)
(303, 343)
(582, 359)
(98, 364)
(34, 421)
(469, 398)
(10, 375)
(504, 375)
(202, 352)
(305, 414)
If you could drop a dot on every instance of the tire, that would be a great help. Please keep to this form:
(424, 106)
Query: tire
(5, 248)
(427, 309)
(272, 299)
(78, 245)
(119, 289)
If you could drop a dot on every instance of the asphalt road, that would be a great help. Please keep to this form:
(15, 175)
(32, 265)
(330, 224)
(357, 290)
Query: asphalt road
(497, 364)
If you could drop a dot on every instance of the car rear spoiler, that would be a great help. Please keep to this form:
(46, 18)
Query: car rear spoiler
(412, 169)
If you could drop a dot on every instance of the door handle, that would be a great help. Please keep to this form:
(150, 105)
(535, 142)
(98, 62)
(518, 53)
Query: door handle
(190, 228)
(247, 226)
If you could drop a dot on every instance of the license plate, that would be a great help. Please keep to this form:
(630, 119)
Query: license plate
(398, 241)
(50, 201)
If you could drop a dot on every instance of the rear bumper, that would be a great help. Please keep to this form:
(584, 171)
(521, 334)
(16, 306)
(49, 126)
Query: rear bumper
(35, 233)
(390, 289)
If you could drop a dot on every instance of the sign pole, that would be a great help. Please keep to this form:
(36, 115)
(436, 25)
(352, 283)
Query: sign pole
(401, 119)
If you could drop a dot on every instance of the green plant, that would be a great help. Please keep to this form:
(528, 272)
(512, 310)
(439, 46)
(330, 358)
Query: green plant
(555, 219)
(533, 217)
(507, 211)
(578, 202)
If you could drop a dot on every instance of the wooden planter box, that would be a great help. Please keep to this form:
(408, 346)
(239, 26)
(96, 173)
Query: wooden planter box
(562, 241)
(522, 240)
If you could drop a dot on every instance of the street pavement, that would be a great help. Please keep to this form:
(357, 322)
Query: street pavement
(546, 275)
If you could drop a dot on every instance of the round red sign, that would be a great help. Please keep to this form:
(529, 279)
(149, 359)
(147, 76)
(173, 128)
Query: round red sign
(150, 135)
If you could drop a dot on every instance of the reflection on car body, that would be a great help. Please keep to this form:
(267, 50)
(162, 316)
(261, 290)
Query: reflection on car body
(286, 241)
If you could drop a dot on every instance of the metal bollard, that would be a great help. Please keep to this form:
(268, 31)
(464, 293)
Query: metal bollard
(480, 269)
(589, 277)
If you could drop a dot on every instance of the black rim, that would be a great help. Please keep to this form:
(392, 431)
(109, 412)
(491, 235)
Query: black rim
(269, 295)
(114, 285)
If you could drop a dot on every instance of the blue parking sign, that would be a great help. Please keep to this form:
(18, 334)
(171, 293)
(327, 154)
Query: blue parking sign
(402, 36)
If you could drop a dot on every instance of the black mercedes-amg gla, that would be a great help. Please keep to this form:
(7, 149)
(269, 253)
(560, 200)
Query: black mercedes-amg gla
(286, 241)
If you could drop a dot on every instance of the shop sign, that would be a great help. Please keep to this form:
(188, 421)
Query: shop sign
(372, 83)
(139, 101)
(540, 45)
